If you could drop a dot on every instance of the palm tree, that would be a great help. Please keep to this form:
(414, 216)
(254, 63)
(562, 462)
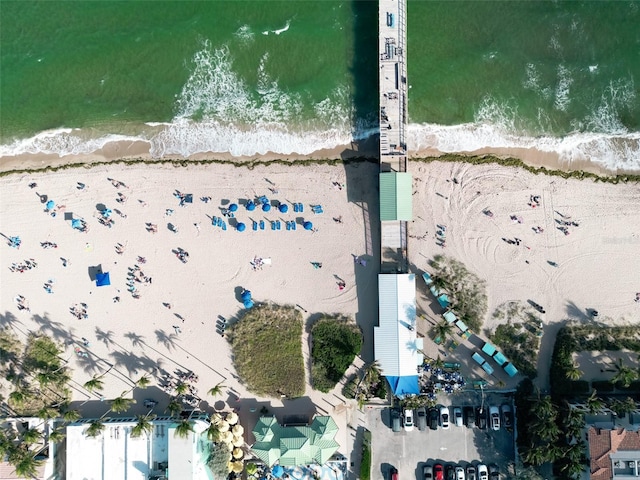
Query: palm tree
(143, 426)
(71, 416)
(183, 429)
(217, 390)
(594, 403)
(573, 372)
(95, 428)
(442, 331)
(535, 455)
(182, 388)
(121, 404)
(625, 375)
(96, 383)
(213, 432)
(622, 407)
(47, 413)
(31, 436)
(26, 465)
(56, 436)
(143, 382)
(544, 408)
(174, 407)
(20, 396)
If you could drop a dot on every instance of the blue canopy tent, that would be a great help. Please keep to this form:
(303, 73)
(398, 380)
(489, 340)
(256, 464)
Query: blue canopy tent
(489, 349)
(500, 358)
(443, 300)
(510, 369)
(406, 385)
(102, 279)
(241, 227)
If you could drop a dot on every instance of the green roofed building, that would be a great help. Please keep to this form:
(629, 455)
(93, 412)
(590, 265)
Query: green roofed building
(395, 197)
(293, 446)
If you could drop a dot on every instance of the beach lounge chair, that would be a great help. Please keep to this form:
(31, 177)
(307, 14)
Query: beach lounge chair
(293, 225)
(261, 224)
(300, 207)
(273, 225)
(288, 225)
(214, 221)
(278, 225)
(255, 225)
(317, 209)
(224, 225)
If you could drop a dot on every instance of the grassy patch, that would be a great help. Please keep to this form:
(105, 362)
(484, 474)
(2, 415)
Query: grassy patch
(365, 462)
(519, 336)
(467, 292)
(267, 350)
(336, 342)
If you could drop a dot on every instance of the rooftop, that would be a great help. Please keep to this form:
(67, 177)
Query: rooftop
(610, 452)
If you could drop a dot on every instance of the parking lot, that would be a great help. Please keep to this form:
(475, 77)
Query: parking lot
(409, 451)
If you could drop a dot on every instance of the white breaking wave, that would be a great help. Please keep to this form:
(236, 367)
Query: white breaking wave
(244, 34)
(62, 141)
(563, 89)
(280, 30)
(610, 151)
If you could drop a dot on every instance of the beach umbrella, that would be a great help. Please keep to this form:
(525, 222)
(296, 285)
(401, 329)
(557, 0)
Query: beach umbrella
(102, 279)
(241, 227)
(248, 304)
(232, 418)
(223, 426)
(237, 453)
(216, 418)
(50, 204)
(246, 295)
(251, 206)
(237, 467)
(233, 207)
(226, 437)
(283, 207)
(106, 212)
(277, 471)
(237, 430)
(76, 223)
(238, 441)
(266, 207)
(308, 225)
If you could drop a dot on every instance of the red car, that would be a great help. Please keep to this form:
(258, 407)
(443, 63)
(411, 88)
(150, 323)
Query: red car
(393, 474)
(438, 471)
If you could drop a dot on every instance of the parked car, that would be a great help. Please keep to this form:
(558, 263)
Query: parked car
(483, 472)
(471, 472)
(494, 415)
(421, 418)
(408, 420)
(444, 417)
(507, 417)
(393, 473)
(434, 417)
(494, 473)
(481, 418)
(457, 416)
(438, 471)
(396, 421)
(469, 417)
(460, 473)
(428, 472)
(451, 472)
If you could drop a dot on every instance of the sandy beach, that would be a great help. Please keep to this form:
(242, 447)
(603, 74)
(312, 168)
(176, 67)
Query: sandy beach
(597, 261)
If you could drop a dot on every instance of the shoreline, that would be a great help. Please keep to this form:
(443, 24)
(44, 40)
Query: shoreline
(136, 152)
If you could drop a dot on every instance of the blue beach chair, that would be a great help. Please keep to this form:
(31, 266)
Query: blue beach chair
(255, 225)
(261, 224)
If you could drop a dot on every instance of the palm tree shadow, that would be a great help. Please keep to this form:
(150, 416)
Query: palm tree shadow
(55, 330)
(89, 364)
(9, 320)
(105, 337)
(169, 341)
(136, 340)
(577, 313)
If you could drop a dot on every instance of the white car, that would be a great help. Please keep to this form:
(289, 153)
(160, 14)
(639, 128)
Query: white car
(483, 472)
(457, 416)
(444, 418)
(460, 473)
(494, 416)
(408, 420)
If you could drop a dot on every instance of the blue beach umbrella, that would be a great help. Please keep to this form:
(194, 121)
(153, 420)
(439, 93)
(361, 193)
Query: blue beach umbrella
(266, 207)
(277, 471)
(284, 208)
(50, 204)
(75, 223)
(308, 225)
(233, 207)
(251, 206)
(241, 227)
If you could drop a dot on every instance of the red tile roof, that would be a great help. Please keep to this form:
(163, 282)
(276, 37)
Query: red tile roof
(604, 442)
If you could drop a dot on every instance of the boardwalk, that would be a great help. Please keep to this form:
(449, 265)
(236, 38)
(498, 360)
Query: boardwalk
(393, 121)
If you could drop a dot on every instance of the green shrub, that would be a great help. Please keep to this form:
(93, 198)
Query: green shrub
(519, 345)
(365, 462)
(267, 350)
(336, 342)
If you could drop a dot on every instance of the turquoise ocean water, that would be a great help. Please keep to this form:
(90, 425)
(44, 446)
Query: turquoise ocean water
(248, 77)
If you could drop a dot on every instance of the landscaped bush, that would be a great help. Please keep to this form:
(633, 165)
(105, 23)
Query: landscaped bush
(365, 461)
(336, 342)
(467, 292)
(562, 362)
(267, 350)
